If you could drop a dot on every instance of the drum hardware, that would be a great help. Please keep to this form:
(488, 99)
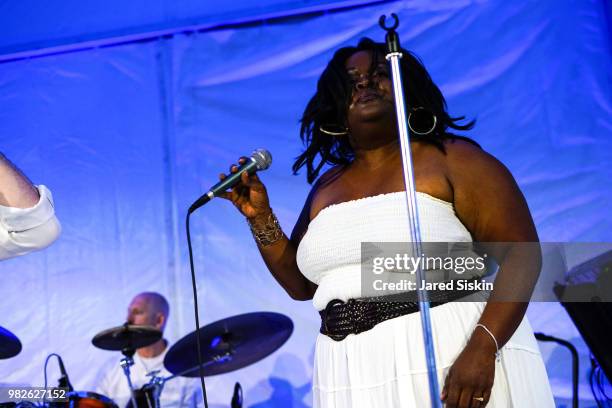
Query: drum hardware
(150, 392)
(127, 338)
(156, 385)
(237, 397)
(126, 362)
(194, 370)
(148, 396)
(230, 344)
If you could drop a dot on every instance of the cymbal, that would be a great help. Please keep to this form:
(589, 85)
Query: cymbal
(229, 344)
(10, 345)
(128, 336)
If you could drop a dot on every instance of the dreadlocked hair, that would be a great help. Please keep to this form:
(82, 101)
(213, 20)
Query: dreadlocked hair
(329, 105)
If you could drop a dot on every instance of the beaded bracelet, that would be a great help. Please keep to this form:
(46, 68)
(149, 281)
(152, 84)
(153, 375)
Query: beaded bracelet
(268, 232)
(497, 353)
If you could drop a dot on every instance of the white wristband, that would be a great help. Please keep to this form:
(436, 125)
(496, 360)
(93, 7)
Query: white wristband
(497, 352)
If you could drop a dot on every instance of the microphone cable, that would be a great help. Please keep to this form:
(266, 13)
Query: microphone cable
(196, 313)
(59, 360)
(45, 374)
(260, 160)
(575, 362)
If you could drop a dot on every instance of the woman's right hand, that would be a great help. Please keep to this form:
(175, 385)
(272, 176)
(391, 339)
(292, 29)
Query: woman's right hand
(249, 195)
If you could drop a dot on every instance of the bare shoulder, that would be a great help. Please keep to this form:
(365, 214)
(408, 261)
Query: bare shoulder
(323, 186)
(328, 177)
(304, 218)
(468, 162)
(462, 152)
(487, 199)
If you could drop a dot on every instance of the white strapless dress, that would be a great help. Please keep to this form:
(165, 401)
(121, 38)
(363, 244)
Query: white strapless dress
(385, 367)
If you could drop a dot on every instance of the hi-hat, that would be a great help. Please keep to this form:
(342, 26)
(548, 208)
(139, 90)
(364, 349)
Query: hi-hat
(229, 344)
(128, 336)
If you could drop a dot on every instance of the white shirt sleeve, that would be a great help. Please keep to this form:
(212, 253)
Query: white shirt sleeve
(193, 394)
(24, 230)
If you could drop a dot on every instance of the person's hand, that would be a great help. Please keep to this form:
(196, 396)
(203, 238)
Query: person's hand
(249, 195)
(470, 377)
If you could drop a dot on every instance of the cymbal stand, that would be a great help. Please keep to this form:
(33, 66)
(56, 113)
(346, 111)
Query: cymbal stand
(126, 362)
(156, 384)
(227, 356)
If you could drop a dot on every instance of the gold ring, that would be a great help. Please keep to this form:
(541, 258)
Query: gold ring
(481, 399)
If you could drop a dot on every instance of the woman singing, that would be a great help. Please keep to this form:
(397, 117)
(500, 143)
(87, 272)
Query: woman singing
(486, 352)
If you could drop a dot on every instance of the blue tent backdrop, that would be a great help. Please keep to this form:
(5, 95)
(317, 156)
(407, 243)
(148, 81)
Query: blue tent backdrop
(127, 126)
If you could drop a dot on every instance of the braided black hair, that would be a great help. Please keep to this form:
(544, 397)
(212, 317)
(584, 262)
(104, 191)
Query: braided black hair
(329, 106)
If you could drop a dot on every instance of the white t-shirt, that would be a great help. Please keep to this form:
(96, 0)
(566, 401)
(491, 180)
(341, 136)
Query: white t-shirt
(24, 230)
(179, 392)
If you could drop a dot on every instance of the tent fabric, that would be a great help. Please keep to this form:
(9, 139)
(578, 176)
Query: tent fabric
(126, 137)
(77, 24)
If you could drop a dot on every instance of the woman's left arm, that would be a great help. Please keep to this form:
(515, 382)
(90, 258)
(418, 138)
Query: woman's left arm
(489, 203)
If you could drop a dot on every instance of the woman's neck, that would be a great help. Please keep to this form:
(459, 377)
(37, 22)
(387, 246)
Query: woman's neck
(374, 158)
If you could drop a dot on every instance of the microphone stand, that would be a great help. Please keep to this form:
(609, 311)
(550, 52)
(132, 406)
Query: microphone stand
(394, 55)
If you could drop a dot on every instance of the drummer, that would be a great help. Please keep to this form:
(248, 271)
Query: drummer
(150, 309)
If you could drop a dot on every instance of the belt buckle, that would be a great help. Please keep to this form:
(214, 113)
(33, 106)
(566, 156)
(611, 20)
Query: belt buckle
(330, 305)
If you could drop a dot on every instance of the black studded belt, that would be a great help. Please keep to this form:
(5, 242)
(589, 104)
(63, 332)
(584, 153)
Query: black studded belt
(339, 319)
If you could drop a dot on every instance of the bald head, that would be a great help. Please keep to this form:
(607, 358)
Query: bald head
(150, 309)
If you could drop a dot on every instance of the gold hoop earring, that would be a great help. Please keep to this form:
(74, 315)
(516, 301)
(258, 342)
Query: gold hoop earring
(424, 116)
(333, 130)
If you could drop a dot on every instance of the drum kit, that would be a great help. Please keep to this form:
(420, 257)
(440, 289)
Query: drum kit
(226, 345)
